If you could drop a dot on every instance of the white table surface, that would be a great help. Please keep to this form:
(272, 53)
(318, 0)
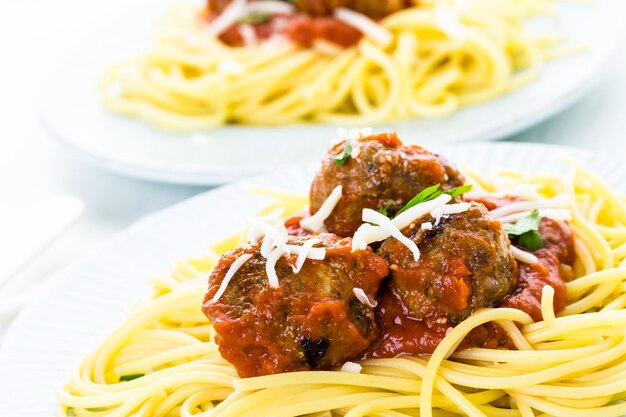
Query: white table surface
(34, 34)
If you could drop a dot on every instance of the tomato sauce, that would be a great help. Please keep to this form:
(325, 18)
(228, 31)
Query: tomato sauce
(293, 227)
(299, 28)
(311, 321)
(404, 334)
(312, 21)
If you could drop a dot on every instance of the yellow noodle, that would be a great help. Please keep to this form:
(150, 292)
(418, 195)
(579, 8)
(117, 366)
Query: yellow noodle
(189, 80)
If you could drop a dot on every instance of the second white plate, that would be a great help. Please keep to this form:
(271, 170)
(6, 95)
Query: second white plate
(72, 109)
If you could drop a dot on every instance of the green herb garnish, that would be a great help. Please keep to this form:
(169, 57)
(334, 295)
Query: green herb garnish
(527, 231)
(341, 158)
(433, 192)
(130, 377)
(254, 18)
(457, 191)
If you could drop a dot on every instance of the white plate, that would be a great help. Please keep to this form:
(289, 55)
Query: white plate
(72, 109)
(85, 302)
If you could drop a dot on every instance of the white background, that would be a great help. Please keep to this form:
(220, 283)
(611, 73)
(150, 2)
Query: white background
(34, 35)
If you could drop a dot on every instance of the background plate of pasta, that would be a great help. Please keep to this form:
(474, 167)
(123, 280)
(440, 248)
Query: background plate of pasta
(206, 92)
(542, 333)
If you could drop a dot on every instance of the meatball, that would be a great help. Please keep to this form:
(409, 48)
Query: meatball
(371, 8)
(465, 263)
(554, 268)
(557, 235)
(305, 30)
(381, 173)
(216, 6)
(312, 321)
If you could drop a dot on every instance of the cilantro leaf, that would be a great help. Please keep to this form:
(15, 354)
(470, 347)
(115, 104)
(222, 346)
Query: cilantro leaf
(130, 377)
(524, 225)
(527, 231)
(341, 158)
(433, 192)
(457, 191)
(419, 198)
(531, 240)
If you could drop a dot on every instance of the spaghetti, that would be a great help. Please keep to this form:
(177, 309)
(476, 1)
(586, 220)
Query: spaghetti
(426, 61)
(163, 362)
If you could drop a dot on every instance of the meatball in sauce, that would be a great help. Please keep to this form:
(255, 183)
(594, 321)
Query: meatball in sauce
(554, 267)
(313, 320)
(465, 264)
(354, 303)
(373, 8)
(380, 173)
(312, 20)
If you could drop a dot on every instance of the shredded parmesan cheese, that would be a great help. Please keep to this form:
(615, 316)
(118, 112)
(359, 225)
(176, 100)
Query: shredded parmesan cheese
(271, 229)
(248, 34)
(437, 214)
(270, 266)
(363, 298)
(351, 367)
(367, 233)
(237, 9)
(229, 275)
(267, 247)
(270, 7)
(523, 256)
(524, 191)
(316, 221)
(386, 224)
(307, 251)
(229, 16)
(365, 25)
(409, 216)
(554, 214)
(276, 232)
(455, 208)
(559, 201)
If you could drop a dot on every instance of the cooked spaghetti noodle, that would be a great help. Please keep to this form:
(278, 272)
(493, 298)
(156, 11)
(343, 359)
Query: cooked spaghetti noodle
(441, 56)
(163, 362)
